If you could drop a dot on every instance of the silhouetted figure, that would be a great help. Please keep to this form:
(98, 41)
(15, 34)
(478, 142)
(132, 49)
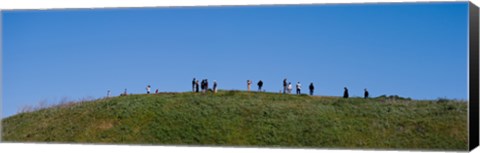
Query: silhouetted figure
(285, 85)
(148, 89)
(249, 84)
(156, 91)
(206, 85)
(108, 93)
(214, 86)
(196, 86)
(203, 85)
(193, 84)
(299, 87)
(289, 88)
(260, 84)
(365, 94)
(311, 87)
(345, 92)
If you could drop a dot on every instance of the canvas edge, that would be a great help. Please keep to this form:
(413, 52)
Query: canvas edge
(473, 77)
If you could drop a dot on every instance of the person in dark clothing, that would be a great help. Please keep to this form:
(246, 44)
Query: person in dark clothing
(202, 85)
(193, 85)
(365, 95)
(311, 87)
(206, 85)
(345, 92)
(214, 86)
(285, 85)
(196, 86)
(260, 84)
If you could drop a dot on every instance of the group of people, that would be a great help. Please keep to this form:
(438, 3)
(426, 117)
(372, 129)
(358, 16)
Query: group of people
(203, 85)
(259, 84)
(287, 88)
(345, 93)
(147, 88)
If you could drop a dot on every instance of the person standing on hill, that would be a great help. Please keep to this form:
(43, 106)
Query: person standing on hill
(108, 93)
(156, 91)
(289, 88)
(193, 85)
(285, 85)
(311, 87)
(345, 92)
(299, 87)
(214, 86)
(365, 94)
(196, 86)
(206, 85)
(202, 85)
(260, 84)
(148, 89)
(249, 84)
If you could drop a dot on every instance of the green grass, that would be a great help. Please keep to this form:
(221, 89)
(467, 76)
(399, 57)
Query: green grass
(235, 118)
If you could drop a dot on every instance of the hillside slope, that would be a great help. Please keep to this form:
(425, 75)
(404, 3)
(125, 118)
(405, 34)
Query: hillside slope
(235, 118)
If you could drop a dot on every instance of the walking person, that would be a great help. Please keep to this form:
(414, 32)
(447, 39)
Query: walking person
(289, 88)
(249, 84)
(196, 86)
(345, 92)
(311, 87)
(108, 93)
(148, 89)
(260, 84)
(299, 87)
(193, 85)
(214, 86)
(284, 85)
(365, 94)
(156, 91)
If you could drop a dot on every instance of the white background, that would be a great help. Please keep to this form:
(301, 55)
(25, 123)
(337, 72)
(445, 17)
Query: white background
(81, 148)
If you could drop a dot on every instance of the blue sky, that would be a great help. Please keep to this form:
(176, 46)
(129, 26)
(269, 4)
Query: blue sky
(416, 50)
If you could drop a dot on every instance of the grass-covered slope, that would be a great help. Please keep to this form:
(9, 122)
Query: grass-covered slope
(234, 118)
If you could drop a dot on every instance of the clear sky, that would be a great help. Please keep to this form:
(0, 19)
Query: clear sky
(416, 50)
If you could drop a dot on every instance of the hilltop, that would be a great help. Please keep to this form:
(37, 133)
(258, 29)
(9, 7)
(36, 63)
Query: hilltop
(255, 119)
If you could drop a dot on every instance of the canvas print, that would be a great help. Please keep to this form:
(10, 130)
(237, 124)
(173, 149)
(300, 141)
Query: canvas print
(346, 76)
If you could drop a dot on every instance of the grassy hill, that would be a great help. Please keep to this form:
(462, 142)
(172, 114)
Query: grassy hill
(236, 118)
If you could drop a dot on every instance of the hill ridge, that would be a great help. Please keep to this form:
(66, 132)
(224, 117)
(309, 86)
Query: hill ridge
(239, 118)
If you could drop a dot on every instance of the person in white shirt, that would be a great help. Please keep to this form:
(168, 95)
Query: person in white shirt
(299, 87)
(289, 88)
(148, 89)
